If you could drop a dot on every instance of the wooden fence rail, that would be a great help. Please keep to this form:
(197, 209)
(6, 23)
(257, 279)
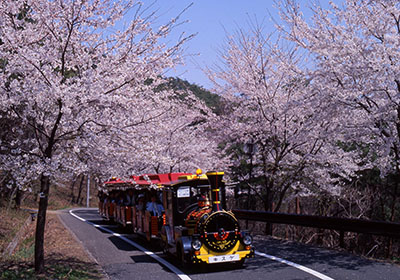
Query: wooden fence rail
(339, 224)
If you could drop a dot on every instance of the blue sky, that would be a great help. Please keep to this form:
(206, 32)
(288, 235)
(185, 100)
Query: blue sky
(211, 19)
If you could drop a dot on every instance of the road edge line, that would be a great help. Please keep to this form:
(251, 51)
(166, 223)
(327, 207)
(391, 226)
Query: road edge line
(295, 265)
(170, 266)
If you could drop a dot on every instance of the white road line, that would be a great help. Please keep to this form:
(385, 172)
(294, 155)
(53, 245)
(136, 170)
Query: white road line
(173, 268)
(298, 266)
(182, 275)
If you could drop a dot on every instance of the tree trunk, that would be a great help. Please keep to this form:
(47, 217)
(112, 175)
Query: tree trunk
(11, 197)
(268, 200)
(44, 198)
(18, 198)
(41, 223)
(78, 198)
(72, 189)
(298, 212)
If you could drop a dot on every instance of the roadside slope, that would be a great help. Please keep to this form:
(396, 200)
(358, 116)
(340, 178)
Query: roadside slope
(65, 257)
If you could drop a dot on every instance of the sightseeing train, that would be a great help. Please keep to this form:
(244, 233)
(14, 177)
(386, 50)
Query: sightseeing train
(184, 212)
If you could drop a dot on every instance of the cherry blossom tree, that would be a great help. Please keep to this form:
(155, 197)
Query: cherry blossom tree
(74, 73)
(184, 141)
(178, 140)
(272, 114)
(355, 52)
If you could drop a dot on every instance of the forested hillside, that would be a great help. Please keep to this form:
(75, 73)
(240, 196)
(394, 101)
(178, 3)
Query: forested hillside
(212, 100)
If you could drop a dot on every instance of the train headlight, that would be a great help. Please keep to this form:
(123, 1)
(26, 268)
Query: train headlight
(247, 239)
(196, 244)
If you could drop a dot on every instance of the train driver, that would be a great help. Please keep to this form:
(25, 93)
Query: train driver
(203, 202)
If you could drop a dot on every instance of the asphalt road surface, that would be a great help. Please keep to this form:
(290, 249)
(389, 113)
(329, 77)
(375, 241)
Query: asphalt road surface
(128, 256)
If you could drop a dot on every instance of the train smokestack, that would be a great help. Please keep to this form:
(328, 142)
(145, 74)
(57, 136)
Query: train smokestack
(215, 179)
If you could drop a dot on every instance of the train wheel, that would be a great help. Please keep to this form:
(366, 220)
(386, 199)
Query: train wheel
(181, 256)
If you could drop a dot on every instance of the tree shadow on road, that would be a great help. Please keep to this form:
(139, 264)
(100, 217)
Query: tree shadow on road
(313, 256)
(308, 254)
(56, 267)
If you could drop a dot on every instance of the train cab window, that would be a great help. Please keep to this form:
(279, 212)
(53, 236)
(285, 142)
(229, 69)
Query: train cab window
(204, 191)
(187, 196)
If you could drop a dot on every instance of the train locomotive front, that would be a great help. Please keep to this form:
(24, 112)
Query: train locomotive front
(206, 233)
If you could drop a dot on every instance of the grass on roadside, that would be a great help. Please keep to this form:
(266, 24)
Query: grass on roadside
(11, 221)
(57, 268)
(64, 256)
(26, 249)
(59, 198)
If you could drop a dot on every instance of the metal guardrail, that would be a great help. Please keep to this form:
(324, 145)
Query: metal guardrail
(340, 224)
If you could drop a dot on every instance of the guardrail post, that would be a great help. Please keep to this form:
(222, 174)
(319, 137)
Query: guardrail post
(341, 239)
(268, 229)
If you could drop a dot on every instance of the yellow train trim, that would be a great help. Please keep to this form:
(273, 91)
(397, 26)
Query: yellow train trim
(206, 253)
(214, 173)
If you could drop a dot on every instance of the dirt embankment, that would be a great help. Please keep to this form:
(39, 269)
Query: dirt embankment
(65, 258)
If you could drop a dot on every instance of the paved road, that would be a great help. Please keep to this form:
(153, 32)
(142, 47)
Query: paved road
(121, 260)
